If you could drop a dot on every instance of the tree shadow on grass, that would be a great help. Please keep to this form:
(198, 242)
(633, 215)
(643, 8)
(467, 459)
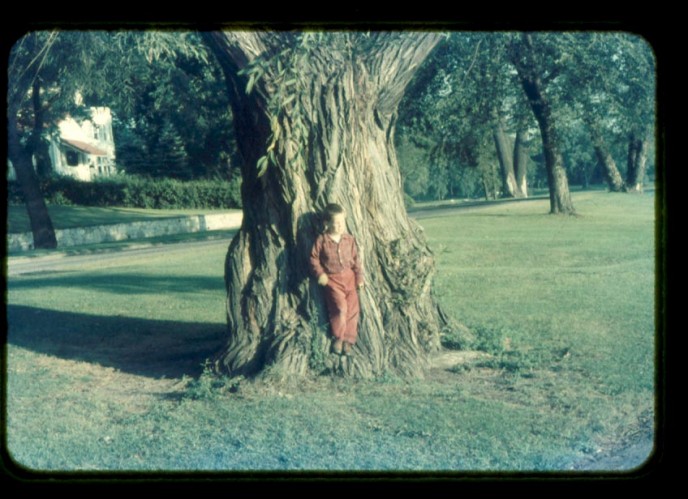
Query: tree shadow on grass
(138, 346)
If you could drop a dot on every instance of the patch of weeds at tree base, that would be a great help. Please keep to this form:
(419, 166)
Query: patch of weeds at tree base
(209, 385)
(508, 356)
(318, 347)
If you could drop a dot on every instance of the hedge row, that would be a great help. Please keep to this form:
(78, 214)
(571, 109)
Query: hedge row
(137, 192)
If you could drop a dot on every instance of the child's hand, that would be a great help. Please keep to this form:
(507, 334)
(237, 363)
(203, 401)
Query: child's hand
(323, 279)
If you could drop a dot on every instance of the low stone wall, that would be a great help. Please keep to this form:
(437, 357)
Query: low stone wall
(133, 230)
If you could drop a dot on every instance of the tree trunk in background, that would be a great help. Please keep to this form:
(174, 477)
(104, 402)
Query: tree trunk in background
(38, 145)
(529, 74)
(510, 187)
(521, 158)
(637, 162)
(275, 312)
(611, 172)
(41, 224)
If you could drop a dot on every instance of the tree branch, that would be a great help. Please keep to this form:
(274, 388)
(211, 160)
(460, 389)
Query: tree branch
(241, 46)
(394, 60)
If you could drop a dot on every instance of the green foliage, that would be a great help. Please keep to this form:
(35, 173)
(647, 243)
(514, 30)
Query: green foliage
(504, 354)
(137, 192)
(319, 346)
(209, 385)
(170, 107)
(606, 80)
(449, 112)
(491, 340)
(178, 122)
(283, 73)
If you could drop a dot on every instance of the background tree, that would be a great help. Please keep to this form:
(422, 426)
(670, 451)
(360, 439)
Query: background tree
(607, 81)
(177, 123)
(465, 93)
(637, 93)
(315, 119)
(593, 80)
(537, 59)
(522, 145)
(29, 60)
(46, 70)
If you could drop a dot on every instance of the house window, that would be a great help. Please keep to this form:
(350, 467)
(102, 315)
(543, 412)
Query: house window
(72, 157)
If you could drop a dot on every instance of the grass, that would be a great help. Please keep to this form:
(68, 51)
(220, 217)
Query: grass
(105, 365)
(116, 246)
(66, 217)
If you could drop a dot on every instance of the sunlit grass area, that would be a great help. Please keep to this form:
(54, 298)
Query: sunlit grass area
(105, 364)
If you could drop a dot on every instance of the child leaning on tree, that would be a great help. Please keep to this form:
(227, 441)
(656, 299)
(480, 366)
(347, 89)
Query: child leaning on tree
(336, 264)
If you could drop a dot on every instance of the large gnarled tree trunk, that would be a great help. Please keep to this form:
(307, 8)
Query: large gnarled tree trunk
(342, 121)
(530, 74)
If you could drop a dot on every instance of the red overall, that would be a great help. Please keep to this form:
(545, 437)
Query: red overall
(341, 263)
(342, 305)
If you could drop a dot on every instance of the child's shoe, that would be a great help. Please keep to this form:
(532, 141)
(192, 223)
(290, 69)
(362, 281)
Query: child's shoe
(347, 348)
(337, 347)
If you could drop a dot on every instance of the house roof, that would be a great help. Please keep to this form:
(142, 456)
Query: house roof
(83, 146)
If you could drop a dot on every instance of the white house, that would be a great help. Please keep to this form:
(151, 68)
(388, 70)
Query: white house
(85, 150)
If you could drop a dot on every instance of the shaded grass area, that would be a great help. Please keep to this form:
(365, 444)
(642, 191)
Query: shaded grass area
(66, 217)
(105, 365)
(138, 346)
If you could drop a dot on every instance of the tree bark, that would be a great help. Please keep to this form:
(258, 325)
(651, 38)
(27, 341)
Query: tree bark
(506, 164)
(38, 146)
(347, 106)
(611, 172)
(487, 187)
(41, 224)
(521, 157)
(505, 158)
(637, 162)
(529, 73)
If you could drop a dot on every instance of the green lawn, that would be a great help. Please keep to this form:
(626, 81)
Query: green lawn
(66, 217)
(104, 363)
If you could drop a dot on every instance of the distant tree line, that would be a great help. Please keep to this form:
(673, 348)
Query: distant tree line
(491, 114)
(487, 114)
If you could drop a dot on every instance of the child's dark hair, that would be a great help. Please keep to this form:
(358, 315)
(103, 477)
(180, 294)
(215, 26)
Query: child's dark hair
(330, 211)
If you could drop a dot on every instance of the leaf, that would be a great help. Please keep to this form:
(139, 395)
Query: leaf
(262, 165)
(276, 132)
(251, 82)
(288, 100)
